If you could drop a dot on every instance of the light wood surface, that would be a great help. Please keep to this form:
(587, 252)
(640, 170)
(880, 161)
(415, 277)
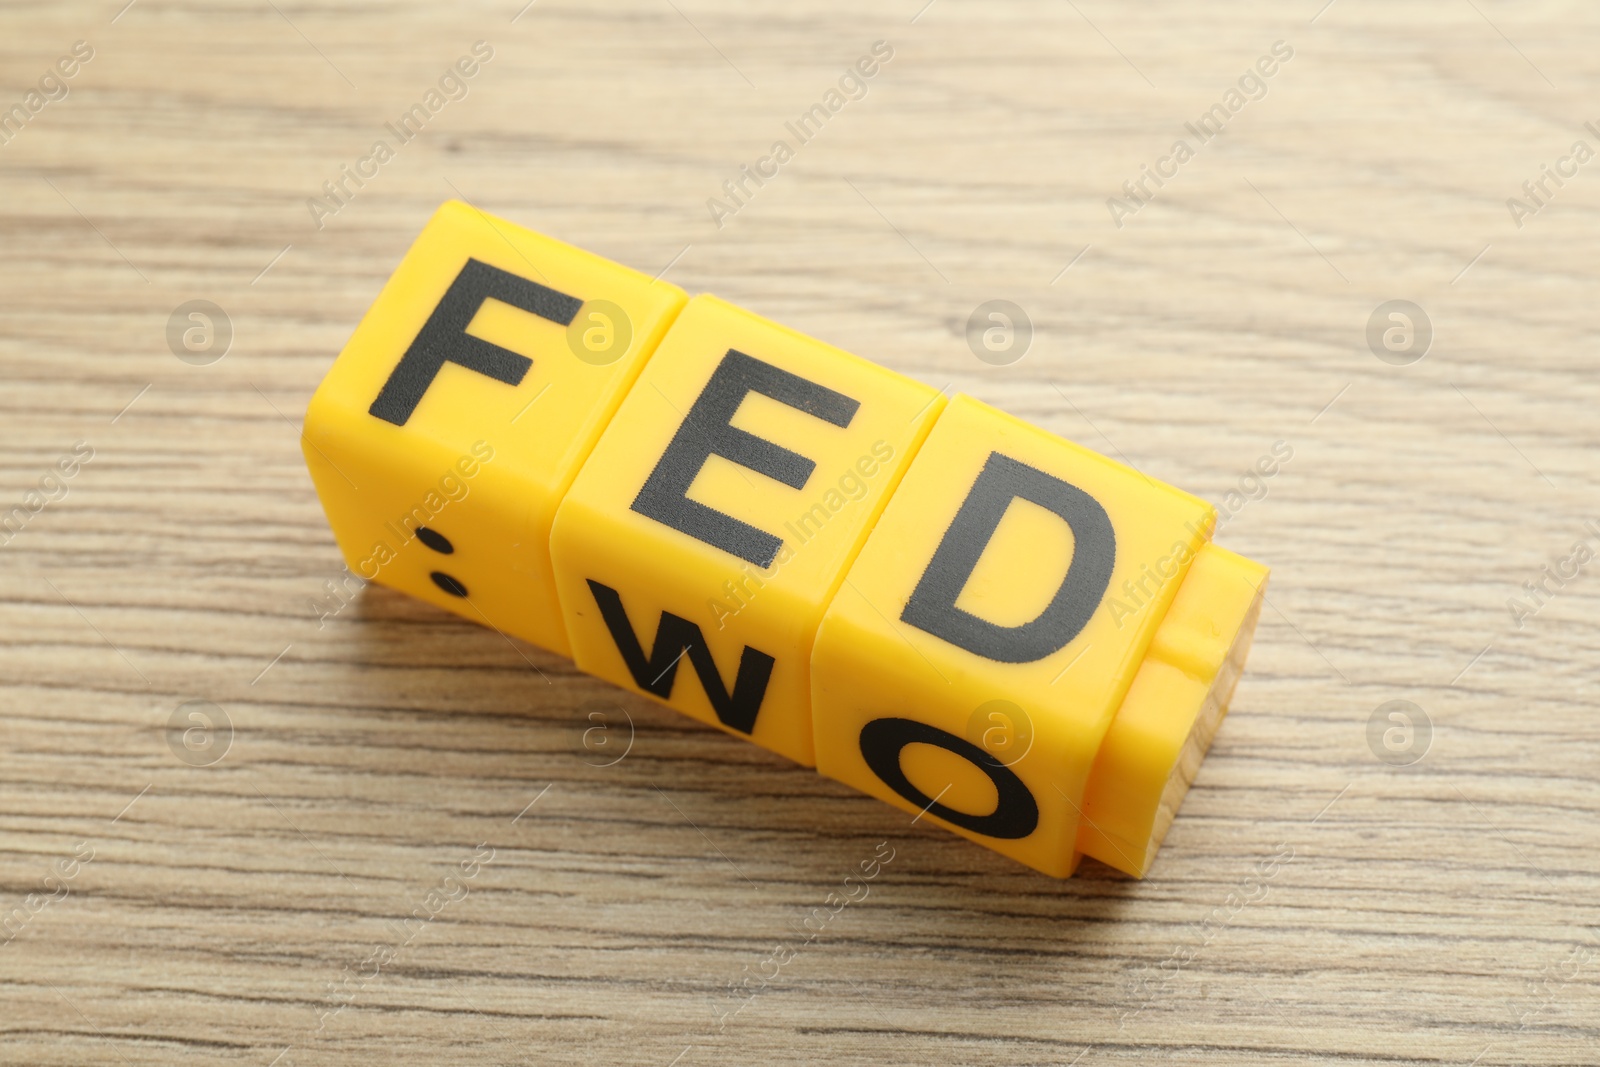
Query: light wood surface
(1313, 904)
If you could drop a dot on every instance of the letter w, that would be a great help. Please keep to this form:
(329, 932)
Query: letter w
(675, 638)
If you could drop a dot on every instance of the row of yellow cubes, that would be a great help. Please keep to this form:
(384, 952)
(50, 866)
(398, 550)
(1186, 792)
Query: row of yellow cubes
(934, 602)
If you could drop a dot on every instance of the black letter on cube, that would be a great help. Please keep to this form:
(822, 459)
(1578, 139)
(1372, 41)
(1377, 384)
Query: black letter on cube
(675, 638)
(1017, 813)
(932, 606)
(444, 337)
(705, 433)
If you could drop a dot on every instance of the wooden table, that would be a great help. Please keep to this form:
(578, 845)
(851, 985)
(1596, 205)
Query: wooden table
(250, 892)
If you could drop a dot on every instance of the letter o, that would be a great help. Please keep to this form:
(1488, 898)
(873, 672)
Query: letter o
(1015, 816)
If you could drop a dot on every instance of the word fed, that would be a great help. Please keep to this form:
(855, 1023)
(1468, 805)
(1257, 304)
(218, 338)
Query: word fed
(972, 619)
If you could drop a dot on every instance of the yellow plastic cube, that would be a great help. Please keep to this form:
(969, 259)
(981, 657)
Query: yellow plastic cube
(699, 547)
(991, 628)
(452, 424)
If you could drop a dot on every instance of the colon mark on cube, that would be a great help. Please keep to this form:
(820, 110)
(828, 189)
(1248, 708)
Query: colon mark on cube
(937, 603)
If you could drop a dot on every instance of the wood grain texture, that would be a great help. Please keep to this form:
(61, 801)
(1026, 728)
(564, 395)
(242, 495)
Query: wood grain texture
(1312, 904)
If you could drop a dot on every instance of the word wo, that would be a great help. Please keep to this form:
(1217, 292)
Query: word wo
(52, 87)
(452, 86)
(1209, 125)
(852, 86)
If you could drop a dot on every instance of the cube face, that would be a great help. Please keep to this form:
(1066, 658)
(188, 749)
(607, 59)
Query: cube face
(990, 627)
(699, 547)
(466, 402)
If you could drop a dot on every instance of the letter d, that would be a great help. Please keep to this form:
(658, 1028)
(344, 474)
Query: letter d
(932, 606)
